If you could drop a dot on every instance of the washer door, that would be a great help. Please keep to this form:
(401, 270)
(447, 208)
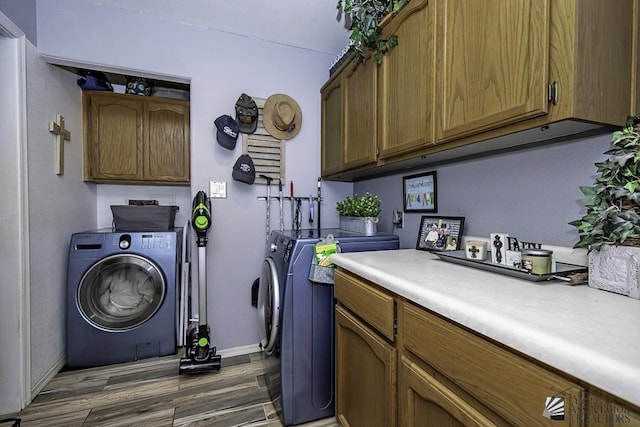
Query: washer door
(269, 305)
(120, 292)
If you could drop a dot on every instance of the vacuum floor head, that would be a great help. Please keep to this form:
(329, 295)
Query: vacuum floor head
(190, 366)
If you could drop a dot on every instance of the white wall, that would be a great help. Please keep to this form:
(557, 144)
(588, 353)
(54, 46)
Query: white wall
(219, 66)
(58, 206)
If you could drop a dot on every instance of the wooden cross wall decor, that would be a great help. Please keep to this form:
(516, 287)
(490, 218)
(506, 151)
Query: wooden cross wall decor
(62, 135)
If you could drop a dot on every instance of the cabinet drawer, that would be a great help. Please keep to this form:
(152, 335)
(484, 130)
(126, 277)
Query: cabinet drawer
(371, 304)
(514, 387)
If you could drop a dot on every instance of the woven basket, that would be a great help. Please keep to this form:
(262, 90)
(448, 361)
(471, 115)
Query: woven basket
(625, 205)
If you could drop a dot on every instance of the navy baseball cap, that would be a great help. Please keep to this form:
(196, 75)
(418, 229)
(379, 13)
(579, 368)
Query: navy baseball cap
(227, 131)
(244, 170)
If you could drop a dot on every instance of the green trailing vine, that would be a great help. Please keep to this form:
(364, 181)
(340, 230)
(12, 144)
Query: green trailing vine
(366, 33)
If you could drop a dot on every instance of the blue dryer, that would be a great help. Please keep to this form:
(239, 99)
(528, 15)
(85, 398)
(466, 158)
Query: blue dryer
(296, 320)
(122, 296)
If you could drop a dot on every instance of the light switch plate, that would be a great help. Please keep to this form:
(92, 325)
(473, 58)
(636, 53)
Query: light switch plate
(217, 189)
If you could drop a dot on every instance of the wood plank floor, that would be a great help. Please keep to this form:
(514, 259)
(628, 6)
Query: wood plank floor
(151, 393)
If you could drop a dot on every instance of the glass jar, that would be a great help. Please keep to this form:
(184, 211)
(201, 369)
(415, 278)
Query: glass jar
(537, 261)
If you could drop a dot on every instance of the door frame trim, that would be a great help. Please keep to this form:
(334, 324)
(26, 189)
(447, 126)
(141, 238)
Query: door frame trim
(19, 381)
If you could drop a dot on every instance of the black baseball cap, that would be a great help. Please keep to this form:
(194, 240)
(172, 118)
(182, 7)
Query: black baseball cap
(244, 170)
(227, 131)
(246, 114)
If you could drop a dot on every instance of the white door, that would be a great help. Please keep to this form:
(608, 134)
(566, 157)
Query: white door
(14, 271)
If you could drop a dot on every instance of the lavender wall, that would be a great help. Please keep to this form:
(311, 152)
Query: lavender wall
(58, 206)
(23, 14)
(219, 67)
(530, 194)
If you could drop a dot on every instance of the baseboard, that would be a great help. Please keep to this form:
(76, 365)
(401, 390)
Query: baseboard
(237, 351)
(48, 376)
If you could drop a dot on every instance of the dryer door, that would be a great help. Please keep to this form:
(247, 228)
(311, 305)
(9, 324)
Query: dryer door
(120, 292)
(269, 305)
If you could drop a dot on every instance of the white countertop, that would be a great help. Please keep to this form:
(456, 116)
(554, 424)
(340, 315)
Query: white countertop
(588, 333)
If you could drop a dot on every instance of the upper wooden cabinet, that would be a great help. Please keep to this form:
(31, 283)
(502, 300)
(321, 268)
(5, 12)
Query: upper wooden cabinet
(493, 64)
(406, 78)
(469, 77)
(331, 96)
(135, 139)
(359, 114)
(349, 118)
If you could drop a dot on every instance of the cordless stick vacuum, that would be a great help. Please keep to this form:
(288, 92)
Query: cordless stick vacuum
(200, 356)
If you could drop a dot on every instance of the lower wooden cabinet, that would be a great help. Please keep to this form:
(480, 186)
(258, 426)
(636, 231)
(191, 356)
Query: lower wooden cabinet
(508, 384)
(398, 363)
(365, 375)
(425, 401)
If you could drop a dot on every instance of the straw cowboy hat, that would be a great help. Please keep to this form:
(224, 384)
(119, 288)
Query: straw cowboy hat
(281, 116)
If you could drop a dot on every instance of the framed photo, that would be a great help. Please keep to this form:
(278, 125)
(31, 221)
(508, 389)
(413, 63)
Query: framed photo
(420, 193)
(440, 233)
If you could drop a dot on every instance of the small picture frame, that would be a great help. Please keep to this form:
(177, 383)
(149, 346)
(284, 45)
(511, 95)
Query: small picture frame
(420, 193)
(440, 233)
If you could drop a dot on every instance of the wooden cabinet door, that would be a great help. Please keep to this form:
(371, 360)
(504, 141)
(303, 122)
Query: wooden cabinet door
(166, 141)
(129, 138)
(360, 114)
(365, 375)
(425, 401)
(513, 387)
(114, 134)
(406, 82)
(492, 64)
(331, 104)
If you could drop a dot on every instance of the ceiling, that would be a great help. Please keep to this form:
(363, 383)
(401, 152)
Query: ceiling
(316, 25)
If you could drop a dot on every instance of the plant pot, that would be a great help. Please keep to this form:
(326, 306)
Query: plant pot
(362, 225)
(615, 269)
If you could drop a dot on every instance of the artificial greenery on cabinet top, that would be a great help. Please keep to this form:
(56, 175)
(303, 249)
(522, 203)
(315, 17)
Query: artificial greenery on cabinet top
(366, 33)
(365, 206)
(613, 202)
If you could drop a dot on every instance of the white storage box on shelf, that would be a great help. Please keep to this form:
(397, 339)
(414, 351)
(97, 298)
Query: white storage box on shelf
(165, 92)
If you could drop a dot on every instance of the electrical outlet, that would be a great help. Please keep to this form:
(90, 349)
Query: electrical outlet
(398, 219)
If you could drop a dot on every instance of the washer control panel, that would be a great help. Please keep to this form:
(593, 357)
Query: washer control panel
(156, 242)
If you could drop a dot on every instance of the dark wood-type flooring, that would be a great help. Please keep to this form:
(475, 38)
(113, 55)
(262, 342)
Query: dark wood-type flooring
(151, 393)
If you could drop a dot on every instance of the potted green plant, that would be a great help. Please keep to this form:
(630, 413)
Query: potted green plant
(610, 229)
(359, 214)
(366, 32)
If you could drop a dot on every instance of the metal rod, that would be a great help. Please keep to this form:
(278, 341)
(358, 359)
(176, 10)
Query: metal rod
(319, 198)
(293, 224)
(202, 285)
(268, 227)
(280, 203)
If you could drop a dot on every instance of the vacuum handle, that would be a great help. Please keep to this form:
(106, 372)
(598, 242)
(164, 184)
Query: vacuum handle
(202, 285)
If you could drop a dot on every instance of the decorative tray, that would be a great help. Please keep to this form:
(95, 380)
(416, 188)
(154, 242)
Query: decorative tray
(563, 270)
